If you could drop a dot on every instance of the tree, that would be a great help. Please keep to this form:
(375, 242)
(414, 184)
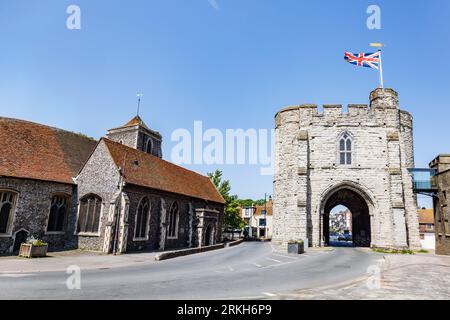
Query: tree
(251, 202)
(232, 218)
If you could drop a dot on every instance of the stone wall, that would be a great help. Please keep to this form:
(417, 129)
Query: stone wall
(99, 176)
(161, 203)
(32, 211)
(442, 204)
(137, 137)
(307, 169)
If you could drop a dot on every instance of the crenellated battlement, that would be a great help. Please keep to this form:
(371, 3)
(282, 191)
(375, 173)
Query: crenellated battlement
(383, 110)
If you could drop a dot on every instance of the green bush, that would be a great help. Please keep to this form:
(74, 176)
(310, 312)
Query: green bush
(393, 251)
(36, 242)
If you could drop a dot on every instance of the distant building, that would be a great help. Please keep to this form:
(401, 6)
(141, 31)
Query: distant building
(426, 229)
(258, 219)
(441, 203)
(341, 222)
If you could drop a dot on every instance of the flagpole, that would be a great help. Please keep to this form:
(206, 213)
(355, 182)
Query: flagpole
(381, 72)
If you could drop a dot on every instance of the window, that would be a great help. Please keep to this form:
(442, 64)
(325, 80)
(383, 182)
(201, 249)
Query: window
(149, 146)
(58, 213)
(7, 200)
(262, 222)
(345, 150)
(173, 221)
(142, 219)
(89, 217)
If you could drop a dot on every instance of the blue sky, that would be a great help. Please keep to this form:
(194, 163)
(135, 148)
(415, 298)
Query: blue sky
(231, 67)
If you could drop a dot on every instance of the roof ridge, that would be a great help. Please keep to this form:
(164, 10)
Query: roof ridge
(157, 158)
(82, 135)
(121, 152)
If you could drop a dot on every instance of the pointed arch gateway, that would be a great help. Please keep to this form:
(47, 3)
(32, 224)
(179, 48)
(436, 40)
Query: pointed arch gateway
(361, 207)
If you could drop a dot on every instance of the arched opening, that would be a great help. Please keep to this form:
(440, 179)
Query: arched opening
(347, 198)
(142, 220)
(209, 236)
(90, 208)
(149, 146)
(340, 224)
(21, 237)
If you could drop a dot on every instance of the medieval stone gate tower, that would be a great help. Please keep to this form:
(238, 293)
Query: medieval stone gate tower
(359, 159)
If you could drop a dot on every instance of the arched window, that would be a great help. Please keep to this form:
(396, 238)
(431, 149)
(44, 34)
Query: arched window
(7, 200)
(142, 219)
(149, 146)
(58, 213)
(345, 149)
(89, 216)
(173, 221)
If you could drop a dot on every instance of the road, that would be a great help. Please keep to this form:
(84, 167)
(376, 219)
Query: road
(249, 271)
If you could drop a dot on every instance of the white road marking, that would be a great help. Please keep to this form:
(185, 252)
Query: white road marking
(287, 257)
(274, 260)
(243, 298)
(269, 294)
(258, 265)
(15, 275)
(228, 269)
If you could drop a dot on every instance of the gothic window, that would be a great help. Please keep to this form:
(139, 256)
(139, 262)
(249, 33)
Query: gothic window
(173, 221)
(149, 146)
(7, 200)
(142, 219)
(345, 149)
(89, 214)
(58, 213)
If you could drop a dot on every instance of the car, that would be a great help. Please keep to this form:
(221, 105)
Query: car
(345, 237)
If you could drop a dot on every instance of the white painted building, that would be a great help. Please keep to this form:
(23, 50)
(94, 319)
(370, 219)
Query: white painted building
(259, 220)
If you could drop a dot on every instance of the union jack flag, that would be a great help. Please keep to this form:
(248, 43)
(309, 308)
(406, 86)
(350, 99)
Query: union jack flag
(368, 60)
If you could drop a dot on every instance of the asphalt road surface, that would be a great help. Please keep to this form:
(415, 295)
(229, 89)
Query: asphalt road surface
(248, 271)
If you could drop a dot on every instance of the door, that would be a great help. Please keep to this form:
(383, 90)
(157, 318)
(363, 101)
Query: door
(21, 237)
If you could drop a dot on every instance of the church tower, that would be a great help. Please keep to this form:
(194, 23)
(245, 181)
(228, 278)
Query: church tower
(136, 134)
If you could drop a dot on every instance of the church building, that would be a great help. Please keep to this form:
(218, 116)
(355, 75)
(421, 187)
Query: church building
(114, 195)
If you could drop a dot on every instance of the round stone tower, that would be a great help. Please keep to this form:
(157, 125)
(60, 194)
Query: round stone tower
(358, 159)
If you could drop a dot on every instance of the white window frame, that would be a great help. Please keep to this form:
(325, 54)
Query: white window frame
(147, 224)
(12, 214)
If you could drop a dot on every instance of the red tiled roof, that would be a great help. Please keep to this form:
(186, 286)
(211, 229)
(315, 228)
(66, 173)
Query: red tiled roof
(34, 151)
(260, 209)
(136, 121)
(426, 216)
(142, 169)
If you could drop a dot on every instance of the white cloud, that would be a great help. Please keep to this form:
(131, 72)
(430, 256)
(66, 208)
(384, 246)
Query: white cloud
(214, 4)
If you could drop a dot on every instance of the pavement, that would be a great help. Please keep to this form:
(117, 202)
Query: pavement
(401, 277)
(60, 261)
(250, 271)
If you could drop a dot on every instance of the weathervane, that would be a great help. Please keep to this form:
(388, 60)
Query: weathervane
(139, 96)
